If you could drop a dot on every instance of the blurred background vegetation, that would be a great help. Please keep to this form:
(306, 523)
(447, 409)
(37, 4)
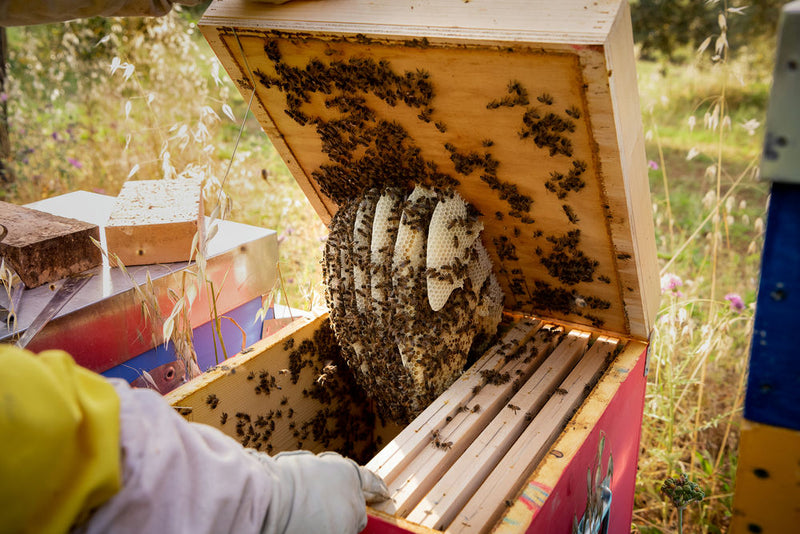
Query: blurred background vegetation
(93, 103)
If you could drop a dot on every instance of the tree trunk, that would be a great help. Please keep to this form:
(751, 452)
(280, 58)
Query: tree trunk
(6, 174)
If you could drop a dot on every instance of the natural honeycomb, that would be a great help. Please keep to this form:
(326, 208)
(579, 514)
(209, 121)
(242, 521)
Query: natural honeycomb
(450, 237)
(404, 351)
(362, 241)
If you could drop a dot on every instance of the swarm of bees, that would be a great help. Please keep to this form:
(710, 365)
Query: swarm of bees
(410, 288)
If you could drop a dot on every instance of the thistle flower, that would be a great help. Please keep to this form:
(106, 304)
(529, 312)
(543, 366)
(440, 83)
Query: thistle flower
(736, 302)
(681, 492)
(670, 283)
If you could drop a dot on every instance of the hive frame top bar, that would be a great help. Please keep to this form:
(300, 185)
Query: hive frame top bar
(583, 22)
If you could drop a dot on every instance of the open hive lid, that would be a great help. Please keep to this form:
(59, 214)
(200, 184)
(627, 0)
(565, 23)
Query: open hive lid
(529, 106)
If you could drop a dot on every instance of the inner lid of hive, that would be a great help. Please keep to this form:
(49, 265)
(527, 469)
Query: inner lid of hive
(536, 136)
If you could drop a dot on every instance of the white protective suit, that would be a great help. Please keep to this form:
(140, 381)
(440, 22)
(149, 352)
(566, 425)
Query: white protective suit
(184, 477)
(84, 454)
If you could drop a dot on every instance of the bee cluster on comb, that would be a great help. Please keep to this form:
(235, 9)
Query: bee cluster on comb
(410, 288)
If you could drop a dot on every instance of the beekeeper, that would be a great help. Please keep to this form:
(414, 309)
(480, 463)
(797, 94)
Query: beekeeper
(80, 453)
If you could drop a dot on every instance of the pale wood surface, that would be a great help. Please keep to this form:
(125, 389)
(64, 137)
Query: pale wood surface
(416, 436)
(553, 466)
(489, 502)
(439, 507)
(460, 432)
(231, 389)
(566, 21)
(155, 221)
(580, 53)
(619, 55)
(43, 248)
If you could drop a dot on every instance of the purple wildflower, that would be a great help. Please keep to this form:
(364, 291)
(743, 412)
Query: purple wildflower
(736, 302)
(653, 165)
(75, 163)
(3, 97)
(670, 284)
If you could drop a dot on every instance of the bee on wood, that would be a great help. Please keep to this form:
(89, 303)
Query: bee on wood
(545, 98)
(223, 418)
(574, 112)
(514, 408)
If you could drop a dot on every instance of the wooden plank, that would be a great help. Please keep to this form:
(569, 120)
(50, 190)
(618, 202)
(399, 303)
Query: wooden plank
(416, 436)
(568, 21)
(155, 221)
(439, 507)
(767, 495)
(289, 391)
(447, 445)
(489, 501)
(548, 501)
(42, 247)
(634, 235)
(575, 56)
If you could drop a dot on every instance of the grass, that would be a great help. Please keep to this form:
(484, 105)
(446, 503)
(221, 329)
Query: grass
(709, 214)
(76, 125)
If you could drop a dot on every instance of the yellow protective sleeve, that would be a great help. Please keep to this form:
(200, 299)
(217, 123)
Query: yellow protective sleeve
(59, 441)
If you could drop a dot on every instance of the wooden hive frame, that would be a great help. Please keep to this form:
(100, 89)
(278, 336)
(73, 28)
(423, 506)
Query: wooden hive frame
(581, 361)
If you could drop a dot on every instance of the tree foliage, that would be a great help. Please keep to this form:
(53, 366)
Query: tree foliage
(666, 27)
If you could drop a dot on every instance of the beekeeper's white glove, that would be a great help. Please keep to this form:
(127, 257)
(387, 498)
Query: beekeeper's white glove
(326, 491)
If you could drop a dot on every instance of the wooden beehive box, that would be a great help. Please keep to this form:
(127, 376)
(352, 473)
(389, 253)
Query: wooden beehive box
(529, 109)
